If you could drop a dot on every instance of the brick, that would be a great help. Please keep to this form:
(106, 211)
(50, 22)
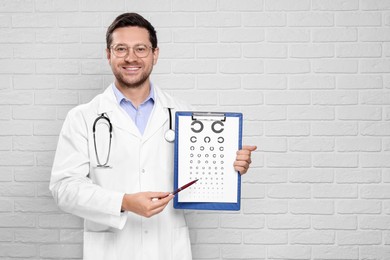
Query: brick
(288, 222)
(245, 5)
(21, 6)
(34, 20)
(267, 176)
(334, 222)
(311, 144)
(57, 67)
(375, 5)
(5, 21)
(36, 236)
(6, 82)
(17, 36)
(335, 252)
(310, 19)
(221, 51)
(374, 222)
(169, 20)
(335, 35)
(335, 5)
(285, 5)
(315, 82)
(58, 35)
(358, 176)
(241, 66)
(220, 236)
(293, 191)
(375, 129)
(286, 129)
(375, 97)
(59, 221)
(335, 97)
(212, 82)
(179, 82)
(241, 35)
(327, 191)
(5, 143)
(56, 98)
(17, 190)
(18, 250)
(312, 207)
(358, 19)
(361, 50)
(236, 98)
(34, 82)
(287, 66)
(272, 144)
(359, 206)
(56, 6)
(61, 250)
(264, 19)
(243, 251)
(71, 236)
(94, 35)
(375, 66)
(359, 82)
(180, 50)
(43, 190)
(304, 237)
(365, 113)
(5, 113)
(334, 129)
(17, 66)
(34, 143)
(15, 128)
(375, 252)
(266, 237)
(81, 51)
(17, 220)
(16, 158)
(375, 160)
(6, 206)
(242, 222)
(253, 128)
(16, 97)
(358, 145)
(288, 35)
(335, 66)
(34, 113)
(112, 5)
(189, 6)
(218, 20)
(253, 191)
(287, 98)
(44, 158)
(6, 174)
(200, 221)
(312, 51)
(271, 82)
(254, 206)
(195, 66)
(36, 205)
(310, 113)
(197, 35)
(358, 238)
(6, 235)
(47, 128)
(338, 160)
(265, 51)
(201, 251)
(311, 176)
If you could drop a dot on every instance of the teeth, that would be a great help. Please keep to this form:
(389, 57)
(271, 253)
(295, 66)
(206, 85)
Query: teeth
(131, 68)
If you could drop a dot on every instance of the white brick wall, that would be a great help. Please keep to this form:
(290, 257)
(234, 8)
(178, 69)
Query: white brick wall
(312, 78)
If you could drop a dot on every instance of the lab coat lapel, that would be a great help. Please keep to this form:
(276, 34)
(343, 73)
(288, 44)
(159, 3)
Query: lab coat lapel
(117, 116)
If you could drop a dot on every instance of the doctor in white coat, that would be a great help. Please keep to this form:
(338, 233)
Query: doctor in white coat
(112, 182)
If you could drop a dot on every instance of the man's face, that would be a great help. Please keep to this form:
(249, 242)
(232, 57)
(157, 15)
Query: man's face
(131, 71)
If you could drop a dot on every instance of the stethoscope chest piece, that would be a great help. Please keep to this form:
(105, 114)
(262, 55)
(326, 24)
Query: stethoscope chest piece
(170, 135)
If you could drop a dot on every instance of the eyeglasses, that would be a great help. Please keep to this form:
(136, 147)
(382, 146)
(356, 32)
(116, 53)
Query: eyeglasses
(139, 50)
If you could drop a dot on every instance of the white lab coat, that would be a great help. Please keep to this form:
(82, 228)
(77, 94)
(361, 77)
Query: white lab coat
(139, 163)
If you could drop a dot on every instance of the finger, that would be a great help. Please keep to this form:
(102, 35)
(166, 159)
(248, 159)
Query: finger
(243, 157)
(249, 147)
(157, 195)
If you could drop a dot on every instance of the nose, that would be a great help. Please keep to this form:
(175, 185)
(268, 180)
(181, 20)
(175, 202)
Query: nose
(130, 55)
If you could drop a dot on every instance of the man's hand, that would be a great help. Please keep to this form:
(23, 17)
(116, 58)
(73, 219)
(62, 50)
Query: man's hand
(146, 204)
(243, 159)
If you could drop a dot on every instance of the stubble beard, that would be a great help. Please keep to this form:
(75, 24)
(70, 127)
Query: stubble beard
(132, 83)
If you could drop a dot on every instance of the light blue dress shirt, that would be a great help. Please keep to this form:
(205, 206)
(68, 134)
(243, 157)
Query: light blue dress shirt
(140, 115)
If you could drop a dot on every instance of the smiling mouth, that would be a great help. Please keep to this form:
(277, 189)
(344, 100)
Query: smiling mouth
(131, 68)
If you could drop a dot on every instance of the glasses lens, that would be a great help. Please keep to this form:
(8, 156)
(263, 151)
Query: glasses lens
(141, 50)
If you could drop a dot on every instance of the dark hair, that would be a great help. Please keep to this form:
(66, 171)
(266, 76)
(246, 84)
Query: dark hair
(131, 19)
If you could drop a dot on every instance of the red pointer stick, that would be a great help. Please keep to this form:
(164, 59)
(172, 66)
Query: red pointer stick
(184, 187)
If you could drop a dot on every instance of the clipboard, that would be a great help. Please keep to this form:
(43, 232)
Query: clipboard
(205, 149)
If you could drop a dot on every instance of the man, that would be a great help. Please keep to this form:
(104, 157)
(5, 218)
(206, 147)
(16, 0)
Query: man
(121, 185)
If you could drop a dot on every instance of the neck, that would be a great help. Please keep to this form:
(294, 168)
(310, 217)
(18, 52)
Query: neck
(136, 95)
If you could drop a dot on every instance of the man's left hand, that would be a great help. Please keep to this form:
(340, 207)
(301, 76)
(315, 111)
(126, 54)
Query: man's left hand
(243, 159)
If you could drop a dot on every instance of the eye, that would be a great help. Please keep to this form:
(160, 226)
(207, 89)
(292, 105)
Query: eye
(140, 48)
(120, 48)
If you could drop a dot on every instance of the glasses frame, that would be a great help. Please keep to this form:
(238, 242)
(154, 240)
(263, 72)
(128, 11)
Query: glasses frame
(133, 48)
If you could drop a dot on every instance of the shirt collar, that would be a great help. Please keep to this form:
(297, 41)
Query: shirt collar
(120, 97)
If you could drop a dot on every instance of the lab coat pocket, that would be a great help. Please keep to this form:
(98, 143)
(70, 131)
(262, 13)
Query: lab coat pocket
(100, 246)
(181, 244)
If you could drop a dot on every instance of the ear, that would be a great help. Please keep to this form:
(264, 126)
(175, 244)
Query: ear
(156, 52)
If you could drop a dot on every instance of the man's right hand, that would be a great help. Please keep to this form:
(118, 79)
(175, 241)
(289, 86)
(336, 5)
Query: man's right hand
(146, 204)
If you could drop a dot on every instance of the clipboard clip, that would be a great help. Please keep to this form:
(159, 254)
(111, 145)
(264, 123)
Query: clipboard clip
(208, 116)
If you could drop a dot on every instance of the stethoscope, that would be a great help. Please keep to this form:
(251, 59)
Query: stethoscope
(169, 136)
